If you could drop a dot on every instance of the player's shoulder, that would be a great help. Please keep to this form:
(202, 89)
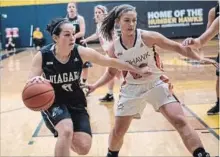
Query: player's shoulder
(212, 11)
(80, 17)
(47, 48)
(148, 34)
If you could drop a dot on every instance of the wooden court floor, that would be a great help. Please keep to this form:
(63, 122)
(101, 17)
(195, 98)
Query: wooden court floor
(23, 132)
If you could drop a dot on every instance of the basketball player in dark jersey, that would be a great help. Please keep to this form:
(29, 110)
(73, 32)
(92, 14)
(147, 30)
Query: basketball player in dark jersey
(80, 28)
(212, 30)
(61, 63)
(213, 14)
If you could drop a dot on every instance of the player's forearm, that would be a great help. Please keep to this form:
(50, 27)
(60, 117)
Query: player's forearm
(92, 37)
(188, 52)
(210, 33)
(79, 35)
(117, 64)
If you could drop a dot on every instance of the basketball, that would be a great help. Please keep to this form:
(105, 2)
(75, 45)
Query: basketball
(38, 96)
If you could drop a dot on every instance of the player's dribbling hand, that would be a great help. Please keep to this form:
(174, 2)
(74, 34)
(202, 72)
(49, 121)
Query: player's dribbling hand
(37, 79)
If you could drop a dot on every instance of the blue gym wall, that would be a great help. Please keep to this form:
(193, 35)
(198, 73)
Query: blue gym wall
(39, 16)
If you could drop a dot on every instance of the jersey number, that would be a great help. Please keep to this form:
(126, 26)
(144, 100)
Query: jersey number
(67, 87)
(138, 76)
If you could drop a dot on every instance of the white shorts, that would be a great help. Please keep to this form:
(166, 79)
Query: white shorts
(134, 97)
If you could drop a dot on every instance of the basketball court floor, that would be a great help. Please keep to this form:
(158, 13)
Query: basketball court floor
(23, 132)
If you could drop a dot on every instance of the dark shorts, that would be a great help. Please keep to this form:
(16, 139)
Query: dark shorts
(56, 113)
(38, 42)
(10, 47)
(217, 70)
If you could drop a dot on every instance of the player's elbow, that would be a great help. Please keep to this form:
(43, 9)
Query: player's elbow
(82, 33)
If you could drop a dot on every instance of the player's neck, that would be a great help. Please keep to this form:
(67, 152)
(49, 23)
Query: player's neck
(128, 40)
(72, 16)
(62, 54)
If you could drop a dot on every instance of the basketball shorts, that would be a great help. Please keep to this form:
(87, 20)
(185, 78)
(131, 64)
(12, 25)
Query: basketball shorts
(10, 47)
(217, 70)
(56, 113)
(134, 97)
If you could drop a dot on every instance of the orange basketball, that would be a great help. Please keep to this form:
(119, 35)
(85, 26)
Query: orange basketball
(38, 96)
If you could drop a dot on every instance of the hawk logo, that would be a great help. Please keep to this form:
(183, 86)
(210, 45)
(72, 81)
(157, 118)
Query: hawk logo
(67, 87)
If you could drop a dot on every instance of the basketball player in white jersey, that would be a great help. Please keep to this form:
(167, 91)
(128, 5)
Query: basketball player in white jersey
(135, 47)
(100, 12)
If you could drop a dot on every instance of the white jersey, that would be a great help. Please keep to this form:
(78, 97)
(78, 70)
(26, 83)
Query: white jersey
(140, 55)
(105, 44)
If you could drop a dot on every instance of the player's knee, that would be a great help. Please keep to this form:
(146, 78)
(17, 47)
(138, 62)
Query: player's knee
(179, 121)
(81, 149)
(66, 132)
(118, 132)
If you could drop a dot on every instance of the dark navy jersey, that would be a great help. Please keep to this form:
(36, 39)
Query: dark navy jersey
(217, 11)
(64, 77)
(76, 23)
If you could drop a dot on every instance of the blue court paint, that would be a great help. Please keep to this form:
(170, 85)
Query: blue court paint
(36, 132)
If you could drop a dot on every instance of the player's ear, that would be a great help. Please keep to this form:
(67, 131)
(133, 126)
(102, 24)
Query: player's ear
(55, 38)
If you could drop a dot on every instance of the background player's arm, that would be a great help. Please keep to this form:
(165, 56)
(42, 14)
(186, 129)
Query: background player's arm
(211, 17)
(90, 38)
(165, 43)
(109, 73)
(36, 68)
(210, 33)
(82, 26)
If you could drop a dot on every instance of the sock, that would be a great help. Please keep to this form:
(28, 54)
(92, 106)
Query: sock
(112, 153)
(84, 80)
(110, 91)
(200, 152)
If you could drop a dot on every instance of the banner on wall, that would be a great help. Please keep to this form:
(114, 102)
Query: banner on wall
(175, 18)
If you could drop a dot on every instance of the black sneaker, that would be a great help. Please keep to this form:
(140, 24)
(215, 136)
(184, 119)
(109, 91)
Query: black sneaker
(214, 110)
(107, 98)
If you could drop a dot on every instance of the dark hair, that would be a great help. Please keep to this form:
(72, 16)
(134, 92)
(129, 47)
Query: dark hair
(109, 21)
(54, 26)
